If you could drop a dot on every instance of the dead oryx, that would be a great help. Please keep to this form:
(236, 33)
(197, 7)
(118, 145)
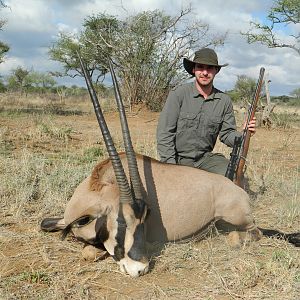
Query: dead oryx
(161, 202)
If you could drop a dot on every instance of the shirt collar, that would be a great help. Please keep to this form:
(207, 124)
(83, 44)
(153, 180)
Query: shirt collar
(214, 94)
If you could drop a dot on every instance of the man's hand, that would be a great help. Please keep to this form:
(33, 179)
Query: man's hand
(251, 126)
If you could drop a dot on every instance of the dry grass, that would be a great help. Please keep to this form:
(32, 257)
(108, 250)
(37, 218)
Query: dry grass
(43, 156)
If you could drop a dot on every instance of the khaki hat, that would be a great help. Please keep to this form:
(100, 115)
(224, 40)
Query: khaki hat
(203, 56)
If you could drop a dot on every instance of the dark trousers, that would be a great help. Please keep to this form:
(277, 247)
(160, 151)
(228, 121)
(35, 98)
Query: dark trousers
(211, 162)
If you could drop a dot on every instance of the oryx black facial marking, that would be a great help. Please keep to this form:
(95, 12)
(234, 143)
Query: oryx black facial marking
(140, 209)
(102, 233)
(119, 249)
(137, 250)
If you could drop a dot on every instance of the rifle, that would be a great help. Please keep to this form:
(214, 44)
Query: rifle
(236, 167)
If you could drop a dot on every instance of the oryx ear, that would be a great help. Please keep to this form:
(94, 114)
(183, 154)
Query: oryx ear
(53, 224)
(79, 222)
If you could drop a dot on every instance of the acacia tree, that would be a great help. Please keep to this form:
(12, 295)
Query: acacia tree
(23, 80)
(65, 48)
(40, 82)
(244, 90)
(284, 12)
(146, 48)
(17, 81)
(295, 93)
(151, 58)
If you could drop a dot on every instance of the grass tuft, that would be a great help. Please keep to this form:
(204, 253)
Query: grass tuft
(43, 158)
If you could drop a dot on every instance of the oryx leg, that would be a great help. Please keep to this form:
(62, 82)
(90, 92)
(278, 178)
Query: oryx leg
(238, 215)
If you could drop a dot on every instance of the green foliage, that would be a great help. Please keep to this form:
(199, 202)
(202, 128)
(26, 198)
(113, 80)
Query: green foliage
(297, 277)
(92, 154)
(244, 90)
(40, 81)
(147, 49)
(295, 93)
(283, 12)
(6, 144)
(286, 100)
(39, 277)
(29, 81)
(2, 87)
(283, 257)
(60, 133)
(284, 120)
(17, 81)
(63, 91)
(4, 48)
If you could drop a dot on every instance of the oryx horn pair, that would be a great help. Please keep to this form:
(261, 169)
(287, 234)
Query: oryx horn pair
(126, 195)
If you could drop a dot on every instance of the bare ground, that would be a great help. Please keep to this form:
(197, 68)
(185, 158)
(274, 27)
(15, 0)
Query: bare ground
(38, 265)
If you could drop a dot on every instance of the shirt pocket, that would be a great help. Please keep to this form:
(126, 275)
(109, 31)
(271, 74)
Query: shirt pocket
(214, 125)
(186, 120)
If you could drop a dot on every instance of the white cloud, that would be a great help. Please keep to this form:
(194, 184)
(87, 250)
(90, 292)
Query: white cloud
(34, 24)
(67, 29)
(10, 64)
(29, 15)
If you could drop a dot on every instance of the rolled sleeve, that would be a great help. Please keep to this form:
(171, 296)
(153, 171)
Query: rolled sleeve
(228, 131)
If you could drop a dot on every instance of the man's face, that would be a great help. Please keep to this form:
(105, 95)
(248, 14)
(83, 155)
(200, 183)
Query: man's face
(205, 74)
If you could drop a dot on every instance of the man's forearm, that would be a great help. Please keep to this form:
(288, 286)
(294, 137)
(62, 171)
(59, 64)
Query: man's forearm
(166, 149)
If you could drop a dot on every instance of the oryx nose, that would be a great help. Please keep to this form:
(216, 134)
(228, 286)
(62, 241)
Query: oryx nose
(145, 271)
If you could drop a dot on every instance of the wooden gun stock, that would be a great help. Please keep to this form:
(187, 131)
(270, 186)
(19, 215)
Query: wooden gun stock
(246, 134)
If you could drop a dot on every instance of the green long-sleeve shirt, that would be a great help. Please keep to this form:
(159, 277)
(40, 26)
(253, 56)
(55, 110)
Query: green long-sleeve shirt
(189, 125)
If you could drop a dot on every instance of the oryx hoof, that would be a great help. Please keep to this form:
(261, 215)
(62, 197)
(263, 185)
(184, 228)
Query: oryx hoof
(92, 253)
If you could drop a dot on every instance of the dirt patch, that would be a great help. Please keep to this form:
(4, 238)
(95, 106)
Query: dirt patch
(42, 162)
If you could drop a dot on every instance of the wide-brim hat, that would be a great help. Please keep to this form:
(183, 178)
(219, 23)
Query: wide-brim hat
(204, 56)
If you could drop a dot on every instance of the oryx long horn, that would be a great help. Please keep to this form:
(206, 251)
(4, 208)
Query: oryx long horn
(125, 192)
(131, 157)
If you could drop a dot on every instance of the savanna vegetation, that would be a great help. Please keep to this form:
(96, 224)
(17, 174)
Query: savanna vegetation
(48, 146)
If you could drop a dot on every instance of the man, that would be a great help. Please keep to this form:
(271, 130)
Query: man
(194, 115)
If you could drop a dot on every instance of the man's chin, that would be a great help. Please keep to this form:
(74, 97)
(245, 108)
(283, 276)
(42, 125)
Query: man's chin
(205, 82)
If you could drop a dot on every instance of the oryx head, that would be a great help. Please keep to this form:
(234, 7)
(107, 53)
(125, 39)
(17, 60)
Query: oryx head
(125, 238)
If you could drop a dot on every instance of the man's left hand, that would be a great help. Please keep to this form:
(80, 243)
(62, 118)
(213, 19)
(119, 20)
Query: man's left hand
(251, 126)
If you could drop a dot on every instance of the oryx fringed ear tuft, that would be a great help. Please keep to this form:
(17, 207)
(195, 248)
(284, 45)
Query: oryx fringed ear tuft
(125, 192)
(79, 222)
(131, 157)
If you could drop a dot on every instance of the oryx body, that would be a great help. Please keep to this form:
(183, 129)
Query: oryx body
(106, 210)
(182, 200)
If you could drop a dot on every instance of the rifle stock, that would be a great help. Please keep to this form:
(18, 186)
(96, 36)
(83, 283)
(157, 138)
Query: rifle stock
(238, 164)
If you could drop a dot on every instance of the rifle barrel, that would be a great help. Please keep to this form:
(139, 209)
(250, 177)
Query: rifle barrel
(246, 134)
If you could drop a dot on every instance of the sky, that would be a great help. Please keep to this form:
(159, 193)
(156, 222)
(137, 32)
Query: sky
(33, 26)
